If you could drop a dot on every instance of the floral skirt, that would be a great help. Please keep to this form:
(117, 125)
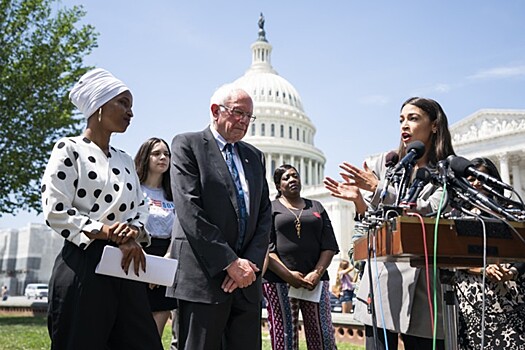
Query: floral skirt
(504, 312)
(283, 319)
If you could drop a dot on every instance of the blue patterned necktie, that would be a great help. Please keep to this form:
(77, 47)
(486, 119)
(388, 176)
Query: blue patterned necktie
(243, 214)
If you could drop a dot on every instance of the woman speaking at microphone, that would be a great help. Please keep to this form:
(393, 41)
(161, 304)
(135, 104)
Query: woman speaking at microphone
(403, 292)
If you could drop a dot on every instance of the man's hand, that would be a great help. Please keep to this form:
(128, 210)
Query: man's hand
(242, 272)
(228, 285)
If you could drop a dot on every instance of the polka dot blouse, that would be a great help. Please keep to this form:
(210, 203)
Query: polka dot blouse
(82, 189)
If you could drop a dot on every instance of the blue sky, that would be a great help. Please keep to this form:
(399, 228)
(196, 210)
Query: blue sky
(352, 62)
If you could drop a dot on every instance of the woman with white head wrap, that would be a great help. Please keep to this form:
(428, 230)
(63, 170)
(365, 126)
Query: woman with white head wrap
(91, 196)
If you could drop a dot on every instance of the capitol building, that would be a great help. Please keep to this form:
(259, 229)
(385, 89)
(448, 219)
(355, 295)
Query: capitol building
(285, 133)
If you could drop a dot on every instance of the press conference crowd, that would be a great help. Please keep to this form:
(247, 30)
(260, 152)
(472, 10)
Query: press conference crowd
(203, 200)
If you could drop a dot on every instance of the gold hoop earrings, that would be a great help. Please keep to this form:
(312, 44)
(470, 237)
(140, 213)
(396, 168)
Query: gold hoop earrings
(100, 114)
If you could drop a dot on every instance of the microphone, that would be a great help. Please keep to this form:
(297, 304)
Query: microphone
(423, 177)
(499, 197)
(443, 170)
(464, 168)
(391, 160)
(478, 198)
(414, 151)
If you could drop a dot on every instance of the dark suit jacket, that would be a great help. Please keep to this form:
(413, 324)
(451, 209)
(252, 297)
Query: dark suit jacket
(205, 231)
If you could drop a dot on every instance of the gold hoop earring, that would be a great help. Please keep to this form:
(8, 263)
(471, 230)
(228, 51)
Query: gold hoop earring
(100, 115)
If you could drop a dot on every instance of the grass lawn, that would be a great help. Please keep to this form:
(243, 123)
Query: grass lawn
(23, 333)
(30, 333)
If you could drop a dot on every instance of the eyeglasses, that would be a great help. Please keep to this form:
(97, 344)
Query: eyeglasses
(237, 113)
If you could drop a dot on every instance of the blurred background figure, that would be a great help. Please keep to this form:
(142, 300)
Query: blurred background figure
(5, 293)
(344, 285)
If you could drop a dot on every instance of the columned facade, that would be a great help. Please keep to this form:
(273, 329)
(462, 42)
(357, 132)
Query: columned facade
(497, 134)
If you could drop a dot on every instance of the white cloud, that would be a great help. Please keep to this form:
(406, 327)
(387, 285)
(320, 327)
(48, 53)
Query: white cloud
(374, 100)
(500, 73)
(438, 88)
(441, 88)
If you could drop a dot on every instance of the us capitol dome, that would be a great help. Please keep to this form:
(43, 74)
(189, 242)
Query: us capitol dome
(285, 134)
(282, 129)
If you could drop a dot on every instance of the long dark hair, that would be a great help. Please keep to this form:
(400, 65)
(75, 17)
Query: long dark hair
(441, 141)
(142, 165)
(490, 168)
(278, 174)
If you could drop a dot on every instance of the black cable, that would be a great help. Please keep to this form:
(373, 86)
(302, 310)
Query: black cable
(370, 302)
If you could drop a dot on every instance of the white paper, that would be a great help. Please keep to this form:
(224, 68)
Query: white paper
(305, 294)
(159, 270)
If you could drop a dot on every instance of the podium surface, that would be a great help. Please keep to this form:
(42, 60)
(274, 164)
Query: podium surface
(459, 241)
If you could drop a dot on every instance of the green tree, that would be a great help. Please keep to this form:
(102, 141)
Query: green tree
(41, 56)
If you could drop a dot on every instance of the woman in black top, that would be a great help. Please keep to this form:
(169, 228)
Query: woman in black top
(302, 244)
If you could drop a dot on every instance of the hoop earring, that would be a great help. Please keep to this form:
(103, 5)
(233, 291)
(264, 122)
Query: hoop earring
(100, 115)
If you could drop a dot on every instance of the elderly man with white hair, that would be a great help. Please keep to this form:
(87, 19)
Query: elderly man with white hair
(91, 196)
(221, 231)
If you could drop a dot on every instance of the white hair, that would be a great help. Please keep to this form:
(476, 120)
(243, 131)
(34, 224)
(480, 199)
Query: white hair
(222, 94)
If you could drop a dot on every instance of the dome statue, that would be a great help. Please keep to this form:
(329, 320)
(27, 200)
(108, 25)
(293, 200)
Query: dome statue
(282, 130)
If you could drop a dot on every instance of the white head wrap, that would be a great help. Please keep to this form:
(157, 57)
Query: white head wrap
(94, 89)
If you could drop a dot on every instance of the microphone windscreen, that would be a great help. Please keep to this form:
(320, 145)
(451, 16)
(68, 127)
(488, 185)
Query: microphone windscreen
(423, 174)
(391, 159)
(460, 165)
(418, 147)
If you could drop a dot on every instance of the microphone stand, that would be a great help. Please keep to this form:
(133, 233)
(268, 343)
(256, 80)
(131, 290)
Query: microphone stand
(478, 200)
(388, 180)
(371, 302)
(403, 185)
(449, 307)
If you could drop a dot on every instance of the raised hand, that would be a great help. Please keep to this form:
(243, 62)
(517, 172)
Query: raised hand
(343, 190)
(346, 190)
(365, 179)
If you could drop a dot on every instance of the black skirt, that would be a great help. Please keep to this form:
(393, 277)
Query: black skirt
(158, 300)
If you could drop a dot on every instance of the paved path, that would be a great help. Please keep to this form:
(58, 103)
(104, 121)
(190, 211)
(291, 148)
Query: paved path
(21, 301)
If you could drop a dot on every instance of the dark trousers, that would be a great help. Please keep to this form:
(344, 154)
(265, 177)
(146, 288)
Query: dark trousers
(233, 325)
(391, 339)
(409, 341)
(91, 311)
